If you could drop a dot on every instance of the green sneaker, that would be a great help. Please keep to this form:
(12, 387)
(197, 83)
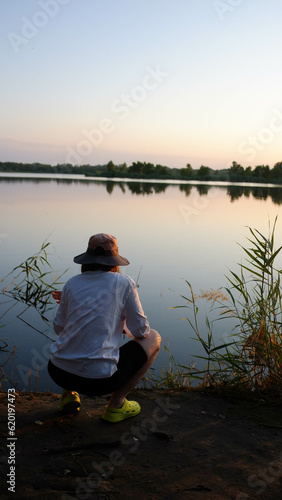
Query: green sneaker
(128, 409)
(70, 402)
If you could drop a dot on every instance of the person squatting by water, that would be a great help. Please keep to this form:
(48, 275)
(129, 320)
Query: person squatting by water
(95, 308)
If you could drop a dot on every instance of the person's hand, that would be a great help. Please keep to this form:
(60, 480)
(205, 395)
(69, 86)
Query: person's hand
(56, 294)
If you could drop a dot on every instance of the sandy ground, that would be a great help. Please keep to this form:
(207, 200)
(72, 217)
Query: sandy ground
(183, 445)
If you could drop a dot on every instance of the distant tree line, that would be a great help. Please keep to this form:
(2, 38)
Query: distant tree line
(144, 170)
(147, 188)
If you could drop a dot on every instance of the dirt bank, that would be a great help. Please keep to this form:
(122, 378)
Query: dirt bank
(185, 445)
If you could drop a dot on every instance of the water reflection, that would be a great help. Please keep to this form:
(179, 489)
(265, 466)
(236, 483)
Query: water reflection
(174, 231)
(258, 192)
(148, 188)
(186, 188)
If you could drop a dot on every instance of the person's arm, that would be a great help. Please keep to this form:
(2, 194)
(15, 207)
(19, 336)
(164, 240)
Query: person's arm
(136, 321)
(59, 320)
(127, 331)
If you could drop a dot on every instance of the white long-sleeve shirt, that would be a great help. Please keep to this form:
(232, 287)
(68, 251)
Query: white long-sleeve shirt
(90, 319)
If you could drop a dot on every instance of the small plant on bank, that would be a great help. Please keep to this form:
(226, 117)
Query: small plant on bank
(252, 358)
(171, 377)
(29, 284)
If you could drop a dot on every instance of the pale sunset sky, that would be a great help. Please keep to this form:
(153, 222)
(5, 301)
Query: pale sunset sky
(165, 81)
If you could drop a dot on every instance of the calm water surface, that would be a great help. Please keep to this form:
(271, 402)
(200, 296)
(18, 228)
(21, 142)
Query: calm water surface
(169, 232)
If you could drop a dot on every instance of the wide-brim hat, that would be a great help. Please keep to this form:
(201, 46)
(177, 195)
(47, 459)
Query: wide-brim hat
(102, 249)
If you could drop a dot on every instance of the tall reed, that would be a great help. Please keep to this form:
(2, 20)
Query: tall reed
(251, 357)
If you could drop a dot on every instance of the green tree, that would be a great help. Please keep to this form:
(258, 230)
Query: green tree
(148, 169)
(123, 168)
(203, 171)
(161, 171)
(248, 172)
(142, 168)
(236, 171)
(111, 167)
(187, 171)
(276, 171)
(262, 172)
(136, 168)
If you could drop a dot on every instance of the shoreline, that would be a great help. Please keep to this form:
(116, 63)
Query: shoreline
(82, 177)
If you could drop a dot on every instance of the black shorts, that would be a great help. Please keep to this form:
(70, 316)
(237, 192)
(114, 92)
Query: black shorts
(131, 358)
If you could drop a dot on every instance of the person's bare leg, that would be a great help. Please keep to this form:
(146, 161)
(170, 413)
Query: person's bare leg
(151, 346)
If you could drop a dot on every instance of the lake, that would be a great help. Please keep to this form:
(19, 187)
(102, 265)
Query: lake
(169, 231)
